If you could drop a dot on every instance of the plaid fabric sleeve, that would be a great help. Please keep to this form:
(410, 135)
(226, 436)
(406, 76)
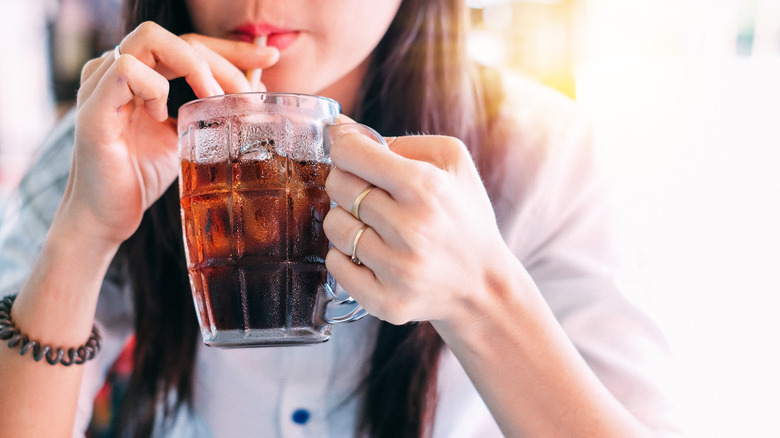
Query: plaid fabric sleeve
(29, 215)
(22, 233)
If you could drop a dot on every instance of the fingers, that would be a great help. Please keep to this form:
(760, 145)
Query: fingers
(341, 229)
(411, 161)
(229, 78)
(355, 153)
(229, 60)
(357, 281)
(96, 66)
(446, 153)
(408, 192)
(426, 212)
(375, 207)
(91, 74)
(170, 56)
(148, 57)
(241, 55)
(210, 66)
(127, 79)
(362, 281)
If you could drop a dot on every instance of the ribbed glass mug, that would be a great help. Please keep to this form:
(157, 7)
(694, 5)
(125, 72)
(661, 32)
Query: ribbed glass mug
(253, 199)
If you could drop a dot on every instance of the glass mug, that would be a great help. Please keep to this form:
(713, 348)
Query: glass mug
(252, 188)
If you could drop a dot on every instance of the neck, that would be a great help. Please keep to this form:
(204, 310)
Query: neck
(347, 89)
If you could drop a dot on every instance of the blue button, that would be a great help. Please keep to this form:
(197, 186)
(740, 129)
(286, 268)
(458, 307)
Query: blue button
(301, 416)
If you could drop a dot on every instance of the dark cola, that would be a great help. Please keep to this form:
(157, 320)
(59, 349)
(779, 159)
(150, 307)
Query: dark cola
(256, 246)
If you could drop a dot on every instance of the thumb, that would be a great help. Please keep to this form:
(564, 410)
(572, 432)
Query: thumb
(446, 153)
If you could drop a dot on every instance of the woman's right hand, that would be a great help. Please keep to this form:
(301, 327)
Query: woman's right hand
(126, 151)
(125, 157)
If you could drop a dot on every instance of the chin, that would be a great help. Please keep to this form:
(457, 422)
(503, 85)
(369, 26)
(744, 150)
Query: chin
(278, 81)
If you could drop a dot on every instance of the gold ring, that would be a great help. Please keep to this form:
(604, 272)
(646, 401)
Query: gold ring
(116, 52)
(359, 199)
(356, 260)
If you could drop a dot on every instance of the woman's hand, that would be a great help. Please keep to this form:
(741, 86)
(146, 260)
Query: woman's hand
(433, 252)
(432, 244)
(126, 151)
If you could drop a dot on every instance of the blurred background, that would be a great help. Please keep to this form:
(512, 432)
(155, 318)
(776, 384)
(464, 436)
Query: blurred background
(685, 99)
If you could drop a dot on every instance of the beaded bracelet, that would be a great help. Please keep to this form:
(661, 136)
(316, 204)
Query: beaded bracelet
(9, 332)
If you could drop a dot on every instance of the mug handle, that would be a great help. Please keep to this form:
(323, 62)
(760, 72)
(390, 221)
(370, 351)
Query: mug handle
(354, 311)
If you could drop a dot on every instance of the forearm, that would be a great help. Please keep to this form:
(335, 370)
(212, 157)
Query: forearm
(56, 307)
(531, 377)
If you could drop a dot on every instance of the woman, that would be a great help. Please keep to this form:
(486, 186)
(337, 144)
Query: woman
(523, 332)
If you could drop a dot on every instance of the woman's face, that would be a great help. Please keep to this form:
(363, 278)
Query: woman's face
(324, 45)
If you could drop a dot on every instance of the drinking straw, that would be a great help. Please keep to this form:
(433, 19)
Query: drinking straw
(253, 76)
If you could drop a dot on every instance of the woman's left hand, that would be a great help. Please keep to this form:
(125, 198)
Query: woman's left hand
(433, 252)
(432, 240)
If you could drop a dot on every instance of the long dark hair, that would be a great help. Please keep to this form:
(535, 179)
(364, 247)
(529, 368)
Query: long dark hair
(419, 81)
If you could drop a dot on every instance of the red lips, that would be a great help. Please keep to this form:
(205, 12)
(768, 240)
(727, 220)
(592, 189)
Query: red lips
(277, 37)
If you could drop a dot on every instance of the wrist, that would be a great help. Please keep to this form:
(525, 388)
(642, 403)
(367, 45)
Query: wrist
(525, 367)
(57, 303)
(504, 294)
(75, 225)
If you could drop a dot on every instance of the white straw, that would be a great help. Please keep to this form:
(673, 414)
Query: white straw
(253, 76)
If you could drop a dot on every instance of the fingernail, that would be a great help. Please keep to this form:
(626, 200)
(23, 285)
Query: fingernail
(333, 133)
(339, 130)
(270, 54)
(336, 131)
(344, 119)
